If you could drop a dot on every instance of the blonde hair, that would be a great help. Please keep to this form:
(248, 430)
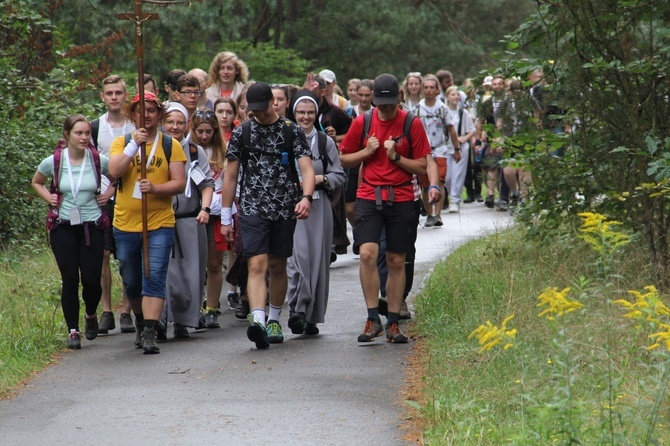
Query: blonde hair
(242, 74)
(217, 144)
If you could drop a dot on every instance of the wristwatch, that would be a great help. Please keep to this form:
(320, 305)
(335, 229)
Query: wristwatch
(396, 158)
(309, 197)
(325, 179)
(206, 209)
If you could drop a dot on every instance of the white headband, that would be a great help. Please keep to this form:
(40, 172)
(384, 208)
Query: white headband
(172, 106)
(308, 98)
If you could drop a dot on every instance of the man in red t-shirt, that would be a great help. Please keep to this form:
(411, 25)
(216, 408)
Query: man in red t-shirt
(385, 199)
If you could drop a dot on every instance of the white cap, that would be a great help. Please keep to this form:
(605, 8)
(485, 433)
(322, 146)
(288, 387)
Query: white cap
(488, 80)
(328, 75)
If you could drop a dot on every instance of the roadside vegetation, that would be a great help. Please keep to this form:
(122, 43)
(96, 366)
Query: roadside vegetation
(551, 366)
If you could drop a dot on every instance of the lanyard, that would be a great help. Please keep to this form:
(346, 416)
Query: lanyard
(77, 187)
(110, 129)
(153, 151)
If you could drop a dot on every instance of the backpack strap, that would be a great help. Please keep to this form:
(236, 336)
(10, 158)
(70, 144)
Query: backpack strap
(367, 121)
(95, 130)
(96, 167)
(322, 142)
(460, 122)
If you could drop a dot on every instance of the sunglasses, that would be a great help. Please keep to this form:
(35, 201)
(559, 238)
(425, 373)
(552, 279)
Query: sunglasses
(205, 114)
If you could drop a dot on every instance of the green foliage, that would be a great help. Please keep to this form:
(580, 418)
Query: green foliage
(276, 65)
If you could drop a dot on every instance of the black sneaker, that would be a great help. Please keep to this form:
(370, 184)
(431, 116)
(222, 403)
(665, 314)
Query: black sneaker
(74, 340)
(296, 322)
(371, 331)
(489, 202)
(257, 334)
(150, 342)
(469, 199)
(394, 335)
(161, 331)
(126, 323)
(211, 320)
(180, 331)
(91, 330)
(106, 322)
(242, 310)
(311, 329)
(383, 306)
(233, 300)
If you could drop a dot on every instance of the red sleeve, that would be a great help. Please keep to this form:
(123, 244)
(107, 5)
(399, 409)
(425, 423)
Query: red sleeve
(419, 140)
(352, 141)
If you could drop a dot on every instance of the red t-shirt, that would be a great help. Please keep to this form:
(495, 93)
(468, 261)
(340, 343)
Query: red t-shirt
(378, 170)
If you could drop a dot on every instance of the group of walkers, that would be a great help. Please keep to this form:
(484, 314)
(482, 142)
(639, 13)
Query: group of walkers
(263, 177)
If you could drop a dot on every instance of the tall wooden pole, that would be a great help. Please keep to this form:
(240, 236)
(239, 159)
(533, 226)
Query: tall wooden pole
(138, 17)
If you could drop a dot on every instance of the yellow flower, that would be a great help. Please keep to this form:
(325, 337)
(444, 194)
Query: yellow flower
(489, 335)
(598, 232)
(662, 336)
(648, 306)
(556, 303)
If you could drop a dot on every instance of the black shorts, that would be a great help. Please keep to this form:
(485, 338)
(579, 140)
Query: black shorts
(351, 185)
(260, 236)
(110, 244)
(398, 220)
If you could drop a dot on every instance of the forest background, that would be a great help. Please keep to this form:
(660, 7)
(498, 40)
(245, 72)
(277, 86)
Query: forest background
(53, 55)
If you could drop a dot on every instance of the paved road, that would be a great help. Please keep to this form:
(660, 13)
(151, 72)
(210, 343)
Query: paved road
(214, 389)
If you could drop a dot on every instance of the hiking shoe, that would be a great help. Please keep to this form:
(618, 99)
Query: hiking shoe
(233, 300)
(138, 337)
(404, 311)
(311, 329)
(149, 342)
(74, 340)
(242, 310)
(371, 331)
(383, 306)
(180, 331)
(430, 221)
(275, 335)
(211, 320)
(296, 322)
(514, 199)
(91, 328)
(438, 221)
(393, 334)
(257, 333)
(106, 322)
(126, 323)
(161, 331)
(489, 202)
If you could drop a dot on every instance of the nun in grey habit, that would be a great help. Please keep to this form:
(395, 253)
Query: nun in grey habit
(188, 261)
(309, 266)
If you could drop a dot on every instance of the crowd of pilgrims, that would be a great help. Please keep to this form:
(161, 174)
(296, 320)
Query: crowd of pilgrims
(200, 112)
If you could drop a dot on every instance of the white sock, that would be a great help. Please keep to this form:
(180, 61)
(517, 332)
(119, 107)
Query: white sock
(275, 312)
(259, 315)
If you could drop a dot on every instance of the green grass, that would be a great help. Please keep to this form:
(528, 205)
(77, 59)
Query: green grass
(521, 396)
(32, 328)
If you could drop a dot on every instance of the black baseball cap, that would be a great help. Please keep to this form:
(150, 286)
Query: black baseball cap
(259, 96)
(386, 89)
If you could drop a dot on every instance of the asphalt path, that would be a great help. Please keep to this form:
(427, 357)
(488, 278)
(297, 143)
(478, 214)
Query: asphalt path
(214, 388)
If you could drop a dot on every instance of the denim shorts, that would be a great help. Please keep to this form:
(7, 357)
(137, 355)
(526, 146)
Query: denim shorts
(130, 254)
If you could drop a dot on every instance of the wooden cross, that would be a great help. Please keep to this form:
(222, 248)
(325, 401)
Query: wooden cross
(138, 17)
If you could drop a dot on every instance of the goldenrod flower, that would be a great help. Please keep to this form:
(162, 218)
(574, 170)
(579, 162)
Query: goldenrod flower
(489, 335)
(647, 305)
(556, 303)
(662, 336)
(598, 232)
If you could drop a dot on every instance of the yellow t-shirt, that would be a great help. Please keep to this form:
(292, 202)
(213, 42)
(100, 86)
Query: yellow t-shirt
(128, 210)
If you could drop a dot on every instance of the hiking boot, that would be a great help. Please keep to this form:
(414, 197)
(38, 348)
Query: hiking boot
(242, 310)
(161, 331)
(383, 306)
(275, 335)
(233, 300)
(106, 322)
(430, 221)
(257, 333)
(211, 320)
(311, 329)
(489, 202)
(438, 221)
(91, 328)
(394, 335)
(296, 322)
(139, 328)
(126, 323)
(74, 340)
(371, 331)
(180, 331)
(150, 342)
(404, 311)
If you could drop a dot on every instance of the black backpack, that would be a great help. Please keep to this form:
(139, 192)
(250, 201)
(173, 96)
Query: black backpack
(409, 118)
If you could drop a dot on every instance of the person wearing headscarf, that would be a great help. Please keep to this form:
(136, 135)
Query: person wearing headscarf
(309, 266)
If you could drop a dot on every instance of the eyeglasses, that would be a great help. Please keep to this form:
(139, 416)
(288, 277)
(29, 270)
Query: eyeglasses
(206, 114)
(170, 123)
(305, 113)
(195, 93)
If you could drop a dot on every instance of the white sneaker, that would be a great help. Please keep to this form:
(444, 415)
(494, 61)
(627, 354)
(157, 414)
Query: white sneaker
(453, 208)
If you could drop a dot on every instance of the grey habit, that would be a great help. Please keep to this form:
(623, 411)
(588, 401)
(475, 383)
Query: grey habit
(309, 267)
(188, 261)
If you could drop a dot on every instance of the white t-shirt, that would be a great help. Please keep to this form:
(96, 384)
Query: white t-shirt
(467, 127)
(107, 134)
(435, 119)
